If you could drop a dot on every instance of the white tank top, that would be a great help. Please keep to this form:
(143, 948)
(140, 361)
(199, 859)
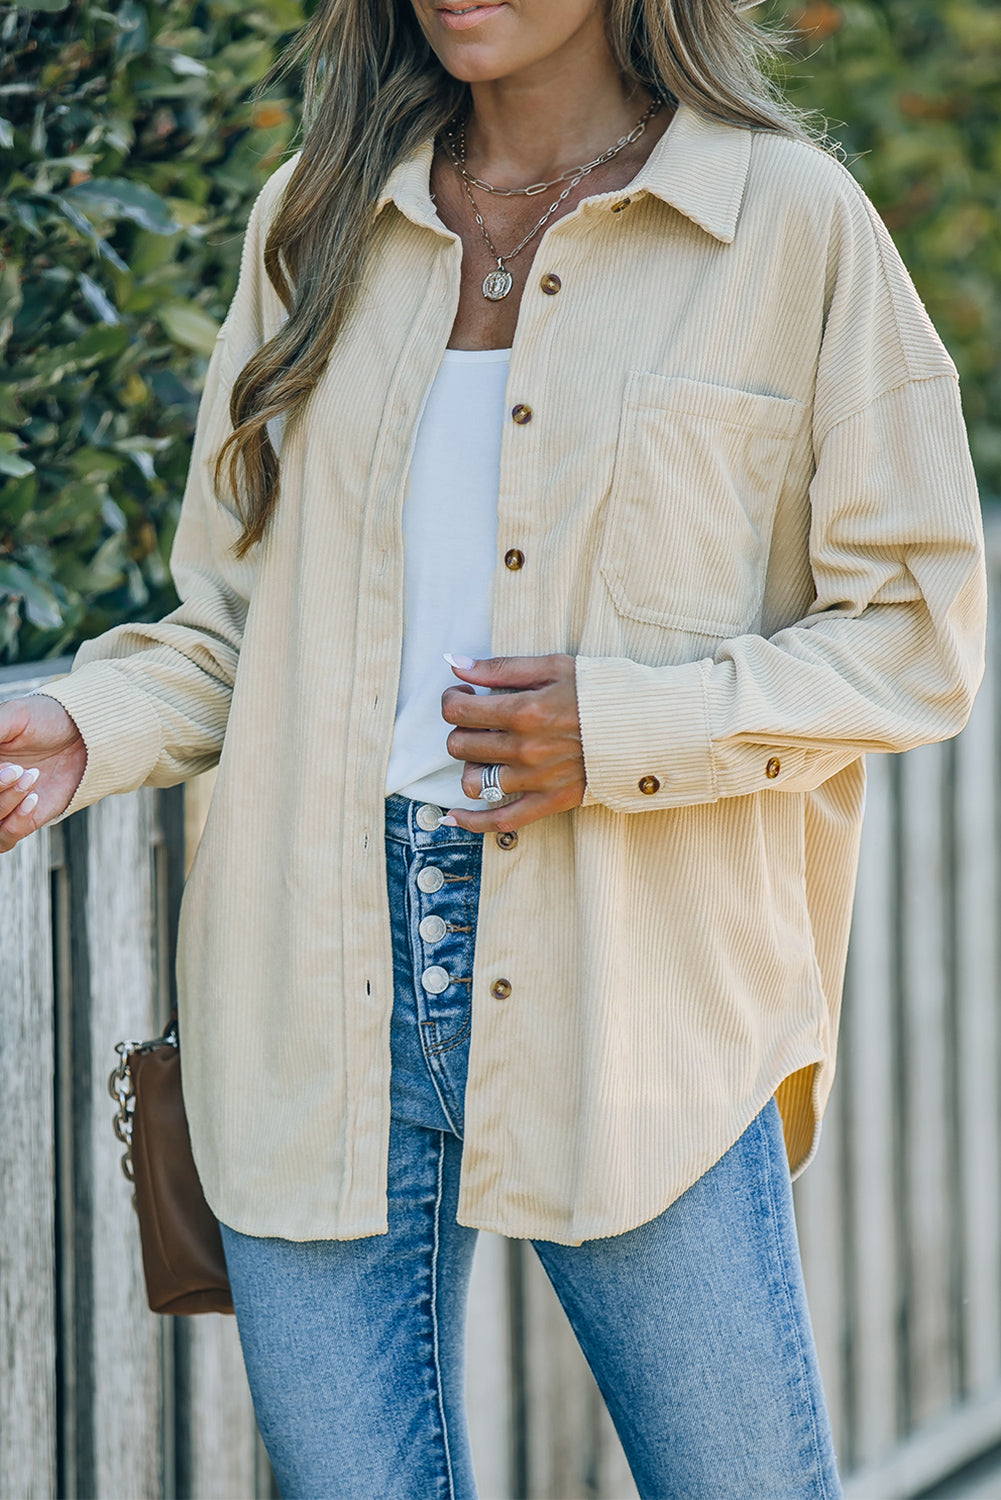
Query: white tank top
(450, 553)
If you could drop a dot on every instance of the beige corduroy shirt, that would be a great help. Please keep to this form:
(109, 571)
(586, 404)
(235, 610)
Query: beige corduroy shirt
(746, 507)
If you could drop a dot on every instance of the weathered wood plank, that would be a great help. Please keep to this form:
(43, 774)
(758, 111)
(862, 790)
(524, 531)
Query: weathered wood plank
(932, 1454)
(126, 1460)
(930, 1346)
(27, 1172)
(615, 1480)
(869, 1078)
(562, 1399)
(217, 1457)
(488, 1368)
(976, 894)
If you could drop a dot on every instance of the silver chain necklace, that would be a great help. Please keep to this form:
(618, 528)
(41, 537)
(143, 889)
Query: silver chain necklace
(497, 284)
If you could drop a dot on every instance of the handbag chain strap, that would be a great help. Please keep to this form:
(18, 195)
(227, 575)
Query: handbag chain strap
(122, 1089)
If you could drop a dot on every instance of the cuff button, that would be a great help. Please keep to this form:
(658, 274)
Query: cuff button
(773, 768)
(648, 785)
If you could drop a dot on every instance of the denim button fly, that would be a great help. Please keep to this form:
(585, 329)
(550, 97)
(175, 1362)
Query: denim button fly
(433, 877)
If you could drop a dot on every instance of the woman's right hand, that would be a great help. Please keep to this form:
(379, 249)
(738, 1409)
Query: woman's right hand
(36, 735)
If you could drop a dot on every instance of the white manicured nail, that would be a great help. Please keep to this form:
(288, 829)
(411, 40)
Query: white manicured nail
(462, 662)
(10, 774)
(29, 804)
(28, 779)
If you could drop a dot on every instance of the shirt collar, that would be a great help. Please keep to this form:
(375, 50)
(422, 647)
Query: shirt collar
(699, 166)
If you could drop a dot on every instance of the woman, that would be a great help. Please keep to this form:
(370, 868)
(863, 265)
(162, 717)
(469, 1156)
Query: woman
(589, 371)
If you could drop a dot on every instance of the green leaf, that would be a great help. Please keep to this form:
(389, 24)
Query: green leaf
(97, 344)
(97, 300)
(12, 413)
(106, 570)
(188, 67)
(14, 466)
(11, 463)
(40, 604)
(187, 324)
(117, 198)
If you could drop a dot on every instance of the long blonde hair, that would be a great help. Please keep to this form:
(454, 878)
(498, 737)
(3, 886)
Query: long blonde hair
(374, 90)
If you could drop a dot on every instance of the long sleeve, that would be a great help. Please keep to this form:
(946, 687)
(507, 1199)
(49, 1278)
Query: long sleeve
(152, 700)
(890, 652)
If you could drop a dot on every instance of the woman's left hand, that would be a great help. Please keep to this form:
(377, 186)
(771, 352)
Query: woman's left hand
(528, 725)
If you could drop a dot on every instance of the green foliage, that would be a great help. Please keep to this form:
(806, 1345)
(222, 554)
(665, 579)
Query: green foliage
(131, 148)
(912, 91)
(130, 151)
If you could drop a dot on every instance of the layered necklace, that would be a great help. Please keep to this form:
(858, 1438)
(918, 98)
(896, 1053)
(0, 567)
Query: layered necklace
(497, 284)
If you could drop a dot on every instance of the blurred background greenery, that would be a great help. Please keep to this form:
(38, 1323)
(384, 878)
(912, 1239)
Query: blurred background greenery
(911, 90)
(131, 147)
(130, 151)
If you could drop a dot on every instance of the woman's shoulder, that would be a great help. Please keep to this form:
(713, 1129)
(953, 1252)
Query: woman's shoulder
(791, 175)
(268, 200)
(800, 196)
(804, 208)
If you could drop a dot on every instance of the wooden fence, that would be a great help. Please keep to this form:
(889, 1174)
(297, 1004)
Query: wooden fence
(900, 1216)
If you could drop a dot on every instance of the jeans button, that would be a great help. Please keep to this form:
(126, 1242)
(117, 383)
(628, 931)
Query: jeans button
(435, 980)
(432, 929)
(427, 817)
(430, 879)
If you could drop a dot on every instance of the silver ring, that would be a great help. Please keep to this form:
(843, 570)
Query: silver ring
(490, 787)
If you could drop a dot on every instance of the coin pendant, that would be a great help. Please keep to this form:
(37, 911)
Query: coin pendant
(497, 284)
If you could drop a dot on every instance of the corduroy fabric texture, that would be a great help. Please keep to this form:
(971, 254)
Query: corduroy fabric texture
(747, 509)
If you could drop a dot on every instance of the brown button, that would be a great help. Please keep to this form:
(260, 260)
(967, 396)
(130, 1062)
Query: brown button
(622, 203)
(773, 768)
(521, 414)
(501, 989)
(514, 559)
(506, 840)
(648, 785)
(550, 283)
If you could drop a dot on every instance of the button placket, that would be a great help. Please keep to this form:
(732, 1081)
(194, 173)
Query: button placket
(443, 877)
(441, 952)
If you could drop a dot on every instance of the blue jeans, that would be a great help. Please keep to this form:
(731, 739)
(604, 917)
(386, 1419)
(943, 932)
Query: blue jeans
(695, 1324)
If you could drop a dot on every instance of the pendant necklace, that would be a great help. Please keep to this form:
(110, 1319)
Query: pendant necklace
(497, 283)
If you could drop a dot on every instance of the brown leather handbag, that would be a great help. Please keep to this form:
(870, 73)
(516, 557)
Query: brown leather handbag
(181, 1245)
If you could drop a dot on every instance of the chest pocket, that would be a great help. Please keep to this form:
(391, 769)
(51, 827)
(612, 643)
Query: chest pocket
(698, 473)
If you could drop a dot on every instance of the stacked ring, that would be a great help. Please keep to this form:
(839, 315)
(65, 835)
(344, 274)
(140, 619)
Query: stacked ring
(490, 787)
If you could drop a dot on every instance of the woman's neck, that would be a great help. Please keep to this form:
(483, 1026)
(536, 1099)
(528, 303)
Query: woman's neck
(535, 124)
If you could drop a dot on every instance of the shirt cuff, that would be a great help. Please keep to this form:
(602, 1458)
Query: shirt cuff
(119, 727)
(645, 734)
